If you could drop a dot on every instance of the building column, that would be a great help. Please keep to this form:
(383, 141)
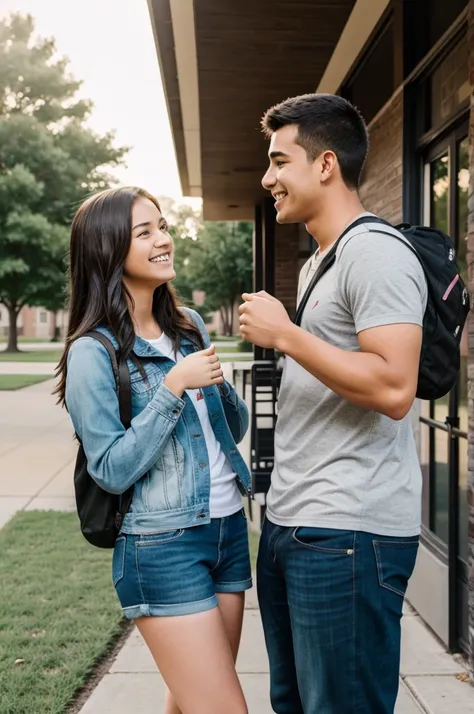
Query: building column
(258, 267)
(470, 328)
(269, 222)
(264, 258)
(287, 264)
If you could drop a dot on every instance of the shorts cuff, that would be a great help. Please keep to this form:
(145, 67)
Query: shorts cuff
(237, 587)
(175, 609)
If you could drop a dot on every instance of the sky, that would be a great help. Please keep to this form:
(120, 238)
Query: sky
(111, 47)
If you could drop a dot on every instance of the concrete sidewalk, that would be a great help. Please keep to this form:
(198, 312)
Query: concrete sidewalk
(28, 368)
(37, 452)
(48, 368)
(428, 681)
(37, 455)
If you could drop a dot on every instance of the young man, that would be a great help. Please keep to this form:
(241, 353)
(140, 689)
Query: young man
(340, 537)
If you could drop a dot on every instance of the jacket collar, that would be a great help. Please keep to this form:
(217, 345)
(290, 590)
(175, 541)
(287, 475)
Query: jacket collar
(142, 348)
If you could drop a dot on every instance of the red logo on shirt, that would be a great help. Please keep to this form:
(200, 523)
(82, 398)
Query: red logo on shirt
(200, 395)
(315, 304)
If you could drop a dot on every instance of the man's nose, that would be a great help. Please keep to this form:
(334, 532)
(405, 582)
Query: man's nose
(268, 180)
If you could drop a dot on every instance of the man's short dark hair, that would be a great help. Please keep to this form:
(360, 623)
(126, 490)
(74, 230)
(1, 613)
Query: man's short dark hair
(325, 122)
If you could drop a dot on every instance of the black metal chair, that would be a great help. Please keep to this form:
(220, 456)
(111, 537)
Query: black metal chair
(266, 379)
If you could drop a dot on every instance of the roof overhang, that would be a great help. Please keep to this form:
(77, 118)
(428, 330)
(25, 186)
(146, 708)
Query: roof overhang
(224, 63)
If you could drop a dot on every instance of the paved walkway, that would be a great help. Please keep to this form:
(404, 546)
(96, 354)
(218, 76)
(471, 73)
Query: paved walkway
(36, 465)
(48, 368)
(428, 683)
(37, 452)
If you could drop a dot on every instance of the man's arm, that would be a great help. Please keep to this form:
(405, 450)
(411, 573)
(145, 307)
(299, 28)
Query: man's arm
(383, 376)
(383, 287)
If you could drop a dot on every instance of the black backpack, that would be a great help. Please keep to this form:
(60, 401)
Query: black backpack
(101, 513)
(447, 305)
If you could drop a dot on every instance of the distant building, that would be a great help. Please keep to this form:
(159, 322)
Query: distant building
(34, 322)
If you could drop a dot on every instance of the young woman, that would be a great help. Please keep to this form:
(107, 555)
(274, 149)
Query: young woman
(181, 561)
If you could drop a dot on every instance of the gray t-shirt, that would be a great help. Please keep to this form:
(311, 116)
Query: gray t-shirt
(338, 465)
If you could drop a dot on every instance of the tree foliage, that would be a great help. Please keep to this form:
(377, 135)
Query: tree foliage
(215, 257)
(50, 160)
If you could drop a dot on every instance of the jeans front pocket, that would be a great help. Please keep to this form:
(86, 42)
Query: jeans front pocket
(118, 560)
(325, 540)
(395, 559)
(147, 541)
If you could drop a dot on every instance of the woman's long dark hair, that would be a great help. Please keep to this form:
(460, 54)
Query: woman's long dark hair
(100, 240)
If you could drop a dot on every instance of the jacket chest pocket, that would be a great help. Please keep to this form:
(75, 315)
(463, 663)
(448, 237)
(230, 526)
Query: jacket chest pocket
(154, 377)
(144, 391)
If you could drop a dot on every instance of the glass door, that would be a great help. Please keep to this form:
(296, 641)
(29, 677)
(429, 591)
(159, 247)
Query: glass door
(443, 428)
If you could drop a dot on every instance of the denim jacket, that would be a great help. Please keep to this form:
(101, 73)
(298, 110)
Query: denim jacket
(164, 451)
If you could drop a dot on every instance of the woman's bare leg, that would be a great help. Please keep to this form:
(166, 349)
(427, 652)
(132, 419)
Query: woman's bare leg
(196, 656)
(231, 607)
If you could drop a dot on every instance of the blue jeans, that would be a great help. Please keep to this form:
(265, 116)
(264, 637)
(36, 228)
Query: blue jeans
(331, 603)
(180, 572)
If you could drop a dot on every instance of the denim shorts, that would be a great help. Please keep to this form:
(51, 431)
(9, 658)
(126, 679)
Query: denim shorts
(180, 572)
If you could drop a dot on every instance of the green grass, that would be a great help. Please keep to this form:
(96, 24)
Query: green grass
(244, 357)
(10, 382)
(58, 611)
(31, 356)
(50, 356)
(28, 339)
(47, 356)
(222, 349)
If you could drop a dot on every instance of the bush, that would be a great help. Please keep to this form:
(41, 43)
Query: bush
(213, 334)
(244, 346)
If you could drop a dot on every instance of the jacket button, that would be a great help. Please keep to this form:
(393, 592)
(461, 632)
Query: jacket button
(202, 466)
(201, 515)
(214, 416)
(196, 436)
(233, 451)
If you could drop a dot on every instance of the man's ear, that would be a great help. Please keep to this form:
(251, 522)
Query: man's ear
(328, 163)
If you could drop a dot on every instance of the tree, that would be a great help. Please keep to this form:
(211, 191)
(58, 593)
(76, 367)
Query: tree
(213, 257)
(49, 162)
(222, 267)
(186, 227)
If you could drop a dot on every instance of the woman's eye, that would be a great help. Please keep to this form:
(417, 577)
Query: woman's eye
(164, 228)
(144, 234)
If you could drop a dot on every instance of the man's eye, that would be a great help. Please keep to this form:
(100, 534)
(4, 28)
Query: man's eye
(280, 164)
(164, 228)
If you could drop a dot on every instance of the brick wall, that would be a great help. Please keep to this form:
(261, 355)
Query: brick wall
(287, 264)
(381, 190)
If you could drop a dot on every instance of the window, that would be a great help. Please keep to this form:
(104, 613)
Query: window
(372, 83)
(43, 317)
(443, 459)
(449, 86)
(432, 19)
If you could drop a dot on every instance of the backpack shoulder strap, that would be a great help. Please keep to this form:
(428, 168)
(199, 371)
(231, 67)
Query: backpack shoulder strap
(124, 393)
(324, 266)
(396, 232)
(122, 377)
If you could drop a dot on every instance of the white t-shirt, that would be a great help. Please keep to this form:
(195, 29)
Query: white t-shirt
(225, 498)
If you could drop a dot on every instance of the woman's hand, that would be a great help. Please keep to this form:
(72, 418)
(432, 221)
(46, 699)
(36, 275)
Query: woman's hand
(199, 369)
